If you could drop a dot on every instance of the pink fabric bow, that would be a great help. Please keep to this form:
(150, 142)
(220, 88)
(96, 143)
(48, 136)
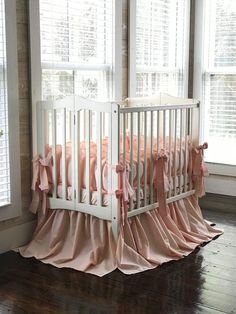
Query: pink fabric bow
(40, 183)
(125, 187)
(199, 170)
(162, 184)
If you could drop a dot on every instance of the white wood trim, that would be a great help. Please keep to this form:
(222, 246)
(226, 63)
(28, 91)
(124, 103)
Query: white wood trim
(222, 170)
(76, 66)
(221, 185)
(14, 209)
(132, 49)
(186, 46)
(198, 58)
(16, 236)
(117, 54)
(40, 130)
(35, 63)
(160, 69)
(221, 70)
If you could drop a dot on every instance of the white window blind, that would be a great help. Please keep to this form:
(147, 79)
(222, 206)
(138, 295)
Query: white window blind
(77, 48)
(5, 193)
(219, 81)
(161, 50)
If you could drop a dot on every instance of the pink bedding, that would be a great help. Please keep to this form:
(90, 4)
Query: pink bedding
(179, 162)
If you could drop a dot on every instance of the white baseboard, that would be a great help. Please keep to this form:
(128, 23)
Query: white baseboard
(16, 236)
(221, 185)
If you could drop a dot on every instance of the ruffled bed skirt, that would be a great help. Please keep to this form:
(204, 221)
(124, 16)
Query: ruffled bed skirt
(71, 239)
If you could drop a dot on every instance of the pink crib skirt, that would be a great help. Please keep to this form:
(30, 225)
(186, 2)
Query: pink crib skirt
(71, 239)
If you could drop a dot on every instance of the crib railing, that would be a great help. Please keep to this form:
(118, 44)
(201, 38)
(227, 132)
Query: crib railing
(168, 128)
(88, 140)
(65, 126)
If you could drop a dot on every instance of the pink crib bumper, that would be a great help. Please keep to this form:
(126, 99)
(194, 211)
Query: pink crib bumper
(178, 161)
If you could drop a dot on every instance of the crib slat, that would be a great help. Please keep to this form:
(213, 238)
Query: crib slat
(138, 160)
(77, 156)
(73, 156)
(145, 158)
(46, 129)
(109, 175)
(124, 138)
(175, 151)
(88, 136)
(190, 150)
(54, 154)
(151, 160)
(70, 128)
(99, 158)
(186, 150)
(64, 183)
(164, 129)
(170, 148)
(131, 158)
(158, 131)
(180, 151)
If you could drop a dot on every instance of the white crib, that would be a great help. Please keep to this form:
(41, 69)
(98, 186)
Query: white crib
(129, 135)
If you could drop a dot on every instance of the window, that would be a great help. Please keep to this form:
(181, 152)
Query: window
(159, 49)
(75, 49)
(215, 79)
(10, 201)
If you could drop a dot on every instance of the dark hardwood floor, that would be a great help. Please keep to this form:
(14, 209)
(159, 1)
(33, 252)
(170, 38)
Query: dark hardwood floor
(203, 282)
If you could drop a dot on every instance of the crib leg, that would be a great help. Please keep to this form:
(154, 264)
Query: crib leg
(115, 226)
(114, 153)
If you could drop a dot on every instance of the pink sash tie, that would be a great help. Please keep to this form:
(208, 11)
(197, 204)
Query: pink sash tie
(126, 192)
(40, 184)
(162, 184)
(199, 170)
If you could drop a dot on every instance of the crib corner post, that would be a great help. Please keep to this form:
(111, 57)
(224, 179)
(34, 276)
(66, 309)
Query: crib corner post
(114, 160)
(195, 123)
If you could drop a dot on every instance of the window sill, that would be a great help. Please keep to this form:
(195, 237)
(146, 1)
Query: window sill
(221, 169)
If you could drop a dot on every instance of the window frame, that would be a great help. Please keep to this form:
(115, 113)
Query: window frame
(199, 42)
(35, 60)
(132, 49)
(13, 209)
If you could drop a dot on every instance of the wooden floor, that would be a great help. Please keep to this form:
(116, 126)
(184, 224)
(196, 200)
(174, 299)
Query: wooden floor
(203, 282)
